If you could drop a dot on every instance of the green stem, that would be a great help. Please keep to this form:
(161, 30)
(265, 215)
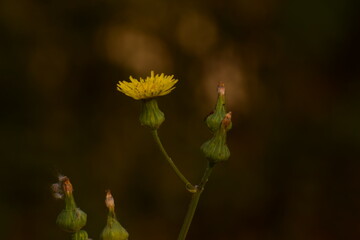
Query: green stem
(70, 202)
(189, 186)
(193, 204)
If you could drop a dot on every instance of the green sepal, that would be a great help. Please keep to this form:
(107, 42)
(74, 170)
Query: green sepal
(151, 116)
(71, 219)
(113, 229)
(215, 149)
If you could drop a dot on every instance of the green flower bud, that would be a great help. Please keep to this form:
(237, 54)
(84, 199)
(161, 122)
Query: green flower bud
(71, 219)
(80, 235)
(151, 116)
(213, 121)
(216, 150)
(113, 229)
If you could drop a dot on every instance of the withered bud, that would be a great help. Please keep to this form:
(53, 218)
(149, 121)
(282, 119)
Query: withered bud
(61, 188)
(226, 122)
(67, 187)
(109, 200)
(221, 88)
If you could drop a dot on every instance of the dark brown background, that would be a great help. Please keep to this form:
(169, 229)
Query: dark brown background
(291, 69)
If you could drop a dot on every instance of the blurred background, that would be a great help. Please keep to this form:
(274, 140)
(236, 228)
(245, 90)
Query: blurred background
(292, 72)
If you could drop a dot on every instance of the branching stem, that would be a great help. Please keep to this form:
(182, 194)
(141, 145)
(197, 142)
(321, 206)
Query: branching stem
(188, 185)
(193, 203)
(194, 190)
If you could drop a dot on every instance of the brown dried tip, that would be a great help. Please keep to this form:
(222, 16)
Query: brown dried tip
(227, 120)
(109, 200)
(68, 189)
(62, 187)
(221, 88)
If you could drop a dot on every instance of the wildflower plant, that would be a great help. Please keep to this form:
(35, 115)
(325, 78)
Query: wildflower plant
(215, 150)
(219, 122)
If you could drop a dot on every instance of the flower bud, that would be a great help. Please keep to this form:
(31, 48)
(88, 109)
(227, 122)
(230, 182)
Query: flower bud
(151, 116)
(70, 219)
(80, 235)
(213, 121)
(216, 150)
(113, 229)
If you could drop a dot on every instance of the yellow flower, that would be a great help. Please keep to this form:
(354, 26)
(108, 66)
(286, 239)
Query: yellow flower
(153, 86)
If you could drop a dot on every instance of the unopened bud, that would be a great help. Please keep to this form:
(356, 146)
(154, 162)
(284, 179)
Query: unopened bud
(216, 149)
(151, 116)
(113, 229)
(213, 121)
(70, 219)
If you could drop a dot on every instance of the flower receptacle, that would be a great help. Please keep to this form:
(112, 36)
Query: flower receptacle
(151, 116)
(71, 220)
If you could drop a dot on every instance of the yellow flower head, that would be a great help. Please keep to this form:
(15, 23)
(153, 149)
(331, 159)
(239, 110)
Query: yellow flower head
(153, 86)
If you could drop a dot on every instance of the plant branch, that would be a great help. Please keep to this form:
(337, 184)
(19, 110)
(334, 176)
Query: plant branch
(189, 186)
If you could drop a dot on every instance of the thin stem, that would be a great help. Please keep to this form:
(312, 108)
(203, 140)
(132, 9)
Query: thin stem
(189, 186)
(193, 204)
